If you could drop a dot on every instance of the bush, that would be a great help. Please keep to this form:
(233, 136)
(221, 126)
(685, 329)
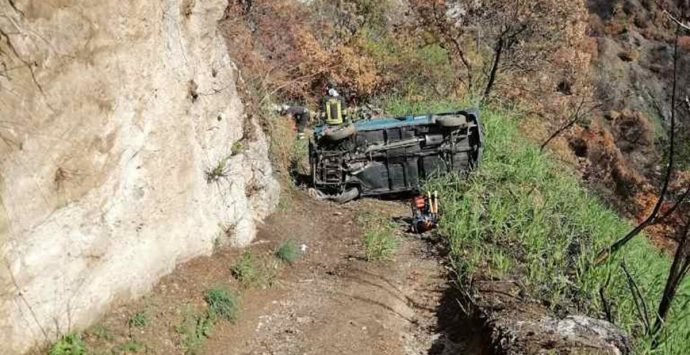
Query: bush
(70, 344)
(222, 304)
(194, 329)
(246, 270)
(288, 251)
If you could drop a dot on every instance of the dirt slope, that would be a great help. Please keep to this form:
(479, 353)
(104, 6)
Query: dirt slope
(331, 301)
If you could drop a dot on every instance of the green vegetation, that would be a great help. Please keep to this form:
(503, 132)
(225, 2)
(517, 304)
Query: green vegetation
(222, 304)
(70, 344)
(132, 347)
(194, 329)
(247, 270)
(288, 251)
(102, 332)
(236, 148)
(522, 215)
(139, 319)
(217, 172)
(379, 240)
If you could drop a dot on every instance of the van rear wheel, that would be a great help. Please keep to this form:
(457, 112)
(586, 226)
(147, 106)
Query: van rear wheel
(451, 121)
(335, 134)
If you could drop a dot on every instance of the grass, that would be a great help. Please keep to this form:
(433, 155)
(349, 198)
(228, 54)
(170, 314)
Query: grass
(102, 332)
(247, 270)
(379, 240)
(194, 329)
(70, 344)
(288, 251)
(523, 215)
(222, 304)
(132, 347)
(138, 319)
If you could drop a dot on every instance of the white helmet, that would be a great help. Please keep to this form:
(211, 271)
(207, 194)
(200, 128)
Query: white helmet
(333, 92)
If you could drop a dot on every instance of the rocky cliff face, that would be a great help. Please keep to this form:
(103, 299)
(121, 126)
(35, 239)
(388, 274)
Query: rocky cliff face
(124, 150)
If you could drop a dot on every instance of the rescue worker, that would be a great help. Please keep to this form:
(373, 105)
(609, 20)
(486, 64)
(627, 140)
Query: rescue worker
(334, 109)
(300, 114)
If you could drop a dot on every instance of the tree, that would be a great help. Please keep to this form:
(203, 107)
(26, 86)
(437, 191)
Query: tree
(522, 42)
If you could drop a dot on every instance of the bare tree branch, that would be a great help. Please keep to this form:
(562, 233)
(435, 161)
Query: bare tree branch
(574, 118)
(679, 269)
(652, 218)
(640, 303)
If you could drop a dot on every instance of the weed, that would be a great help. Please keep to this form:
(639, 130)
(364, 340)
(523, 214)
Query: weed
(379, 245)
(379, 240)
(101, 331)
(288, 251)
(194, 329)
(139, 319)
(70, 344)
(247, 270)
(222, 304)
(220, 170)
(132, 347)
(237, 148)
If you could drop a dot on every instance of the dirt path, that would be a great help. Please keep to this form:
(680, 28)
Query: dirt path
(331, 301)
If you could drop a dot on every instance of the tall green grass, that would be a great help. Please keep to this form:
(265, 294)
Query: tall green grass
(524, 215)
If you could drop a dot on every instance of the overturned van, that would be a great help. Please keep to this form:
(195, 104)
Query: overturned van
(392, 155)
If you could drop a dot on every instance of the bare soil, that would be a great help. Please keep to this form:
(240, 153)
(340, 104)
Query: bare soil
(330, 301)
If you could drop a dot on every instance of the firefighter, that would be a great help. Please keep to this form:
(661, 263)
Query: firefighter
(334, 110)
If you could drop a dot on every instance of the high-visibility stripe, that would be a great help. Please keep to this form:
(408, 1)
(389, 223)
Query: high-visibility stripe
(334, 112)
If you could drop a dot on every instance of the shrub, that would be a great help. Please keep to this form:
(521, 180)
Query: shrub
(288, 251)
(247, 270)
(70, 344)
(222, 304)
(194, 329)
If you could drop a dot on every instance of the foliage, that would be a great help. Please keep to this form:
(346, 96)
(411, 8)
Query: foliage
(70, 344)
(102, 332)
(379, 239)
(288, 251)
(521, 215)
(222, 304)
(139, 319)
(194, 329)
(237, 148)
(215, 173)
(132, 347)
(246, 269)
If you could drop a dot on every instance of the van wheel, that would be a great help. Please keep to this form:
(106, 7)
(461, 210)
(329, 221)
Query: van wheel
(452, 121)
(335, 134)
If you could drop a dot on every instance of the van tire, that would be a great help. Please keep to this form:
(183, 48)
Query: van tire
(335, 134)
(451, 121)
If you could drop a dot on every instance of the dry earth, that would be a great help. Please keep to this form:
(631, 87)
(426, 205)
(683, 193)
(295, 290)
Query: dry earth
(331, 301)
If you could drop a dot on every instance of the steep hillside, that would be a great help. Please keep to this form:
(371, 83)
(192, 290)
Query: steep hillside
(124, 150)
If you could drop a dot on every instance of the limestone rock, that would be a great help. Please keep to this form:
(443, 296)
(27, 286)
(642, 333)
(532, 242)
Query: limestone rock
(111, 115)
